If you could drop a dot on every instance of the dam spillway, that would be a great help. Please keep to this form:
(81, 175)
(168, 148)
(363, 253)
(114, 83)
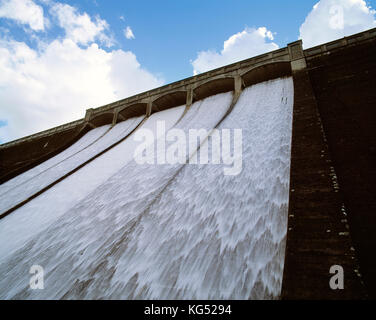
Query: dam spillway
(164, 231)
(72, 219)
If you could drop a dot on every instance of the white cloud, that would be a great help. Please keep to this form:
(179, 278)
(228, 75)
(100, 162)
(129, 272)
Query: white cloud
(80, 28)
(128, 33)
(334, 19)
(56, 82)
(24, 12)
(248, 43)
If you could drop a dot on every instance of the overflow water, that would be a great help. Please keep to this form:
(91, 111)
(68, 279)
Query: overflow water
(28, 186)
(33, 217)
(88, 139)
(165, 231)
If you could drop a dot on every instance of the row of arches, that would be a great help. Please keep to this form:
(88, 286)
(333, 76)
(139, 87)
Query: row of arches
(199, 90)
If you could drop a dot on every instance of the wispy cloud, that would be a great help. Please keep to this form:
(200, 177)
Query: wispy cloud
(81, 28)
(128, 33)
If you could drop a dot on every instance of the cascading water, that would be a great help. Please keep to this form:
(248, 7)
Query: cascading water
(33, 217)
(212, 236)
(28, 187)
(167, 231)
(91, 137)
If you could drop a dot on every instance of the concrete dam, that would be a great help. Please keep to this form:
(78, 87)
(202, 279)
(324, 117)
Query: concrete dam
(74, 200)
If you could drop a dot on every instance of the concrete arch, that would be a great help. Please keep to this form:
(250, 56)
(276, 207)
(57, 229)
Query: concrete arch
(131, 111)
(102, 119)
(214, 86)
(266, 72)
(169, 100)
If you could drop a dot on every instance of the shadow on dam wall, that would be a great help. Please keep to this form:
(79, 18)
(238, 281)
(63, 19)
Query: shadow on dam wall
(333, 159)
(333, 173)
(345, 88)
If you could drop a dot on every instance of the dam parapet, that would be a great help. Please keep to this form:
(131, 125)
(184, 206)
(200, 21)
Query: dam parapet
(264, 67)
(45, 144)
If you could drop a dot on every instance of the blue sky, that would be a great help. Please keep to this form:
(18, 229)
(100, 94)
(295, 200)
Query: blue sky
(170, 33)
(60, 57)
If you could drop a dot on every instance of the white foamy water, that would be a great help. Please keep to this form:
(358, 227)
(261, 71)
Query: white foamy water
(170, 232)
(27, 221)
(211, 236)
(88, 139)
(28, 187)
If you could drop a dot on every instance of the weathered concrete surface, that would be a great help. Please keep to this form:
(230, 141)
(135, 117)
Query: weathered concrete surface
(316, 237)
(332, 183)
(170, 100)
(266, 72)
(344, 83)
